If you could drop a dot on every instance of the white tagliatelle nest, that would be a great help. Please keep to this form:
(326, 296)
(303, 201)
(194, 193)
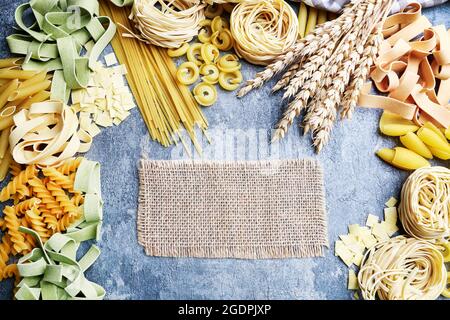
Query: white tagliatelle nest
(263, 29)
(167, 24)
(425, 204)
(402, 269)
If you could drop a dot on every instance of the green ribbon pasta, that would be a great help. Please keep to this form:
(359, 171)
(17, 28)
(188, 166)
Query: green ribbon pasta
(62, 28)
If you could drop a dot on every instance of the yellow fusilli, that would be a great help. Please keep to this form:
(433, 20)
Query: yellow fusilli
(18, 184)
(69, 166)
(62, 198)
(13, 223)
(5, 250)
(37, 223)
(60, 179)
(41, 192)
(25, 205)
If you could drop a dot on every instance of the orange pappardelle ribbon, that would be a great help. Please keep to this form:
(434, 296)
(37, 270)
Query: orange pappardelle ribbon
(408, 69)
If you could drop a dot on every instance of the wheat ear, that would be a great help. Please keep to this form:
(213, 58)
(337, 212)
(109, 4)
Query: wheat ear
(287, 77)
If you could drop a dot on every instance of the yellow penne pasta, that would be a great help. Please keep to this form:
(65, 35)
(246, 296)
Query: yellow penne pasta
(413, 143)
(38, 97)
(404, 158)
(6, 117)
(41, 76)
(432, 127)
(6, 90)
(4, 142)
(447, 133)
(439, 153)
(9, 62)
(30, 90)
(12, 73)
(432, 139)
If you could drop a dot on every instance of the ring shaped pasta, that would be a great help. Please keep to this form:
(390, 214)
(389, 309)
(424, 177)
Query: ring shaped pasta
(210, 53)
(210, 73)
(425, 203)
(219, 24)
(187, 73)
(230, 80)
(402, 269)
(213, 10)
(167, 23)
(205, 33)
(194, 54)
(205, 94)
(229, 63)
(173, 53)
(46, 134)
(222, 40)
(263, 29)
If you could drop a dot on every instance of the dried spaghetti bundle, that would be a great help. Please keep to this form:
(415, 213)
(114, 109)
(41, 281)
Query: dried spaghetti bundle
(402, 269)
(166, 23)
(263, 30)
(326, 70)
(424, 208)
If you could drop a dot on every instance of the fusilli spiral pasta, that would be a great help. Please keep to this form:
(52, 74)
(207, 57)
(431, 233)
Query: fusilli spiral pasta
(37, 223)
(69, 166)
(5, 250)
(18, 184)
(41, 192)
(60, 179)
(25, 205)
(61, 197)
(13, 224)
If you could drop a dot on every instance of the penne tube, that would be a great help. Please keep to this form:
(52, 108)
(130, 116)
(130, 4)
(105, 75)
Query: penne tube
(312, 20)
(38, 97)
(15, 103)
(4, 165)
(6, 90)
(322, 17)
(3, 81)
(30, 90)
(41, 76)
(9, 62)
(4, 142)
(302, 19)
(6, 117)
(9, 73)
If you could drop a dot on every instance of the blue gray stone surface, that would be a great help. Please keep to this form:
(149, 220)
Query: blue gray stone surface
(357, 183)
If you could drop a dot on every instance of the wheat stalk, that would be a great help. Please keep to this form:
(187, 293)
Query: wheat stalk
(352, 50)
(287, 77)
(362, 71)
(307, 70)
(298, 104)
(305, 47)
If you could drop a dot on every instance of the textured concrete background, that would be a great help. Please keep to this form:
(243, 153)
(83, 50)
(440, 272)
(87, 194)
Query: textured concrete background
(357, 183)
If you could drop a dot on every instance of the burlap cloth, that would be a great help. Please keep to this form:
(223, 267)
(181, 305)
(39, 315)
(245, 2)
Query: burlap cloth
(256, 210)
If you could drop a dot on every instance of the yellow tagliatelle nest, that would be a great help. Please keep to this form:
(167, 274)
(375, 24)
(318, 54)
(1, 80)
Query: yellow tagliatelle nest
(167, 24)
(425, 203)
(263, 30)
(402, 269)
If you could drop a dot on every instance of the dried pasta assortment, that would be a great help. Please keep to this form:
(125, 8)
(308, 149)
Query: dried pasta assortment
(410, 267)
(412, 68)
(165, 105)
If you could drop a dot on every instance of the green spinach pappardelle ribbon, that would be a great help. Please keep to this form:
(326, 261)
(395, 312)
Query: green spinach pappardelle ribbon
(51, 271)
(57, 37)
